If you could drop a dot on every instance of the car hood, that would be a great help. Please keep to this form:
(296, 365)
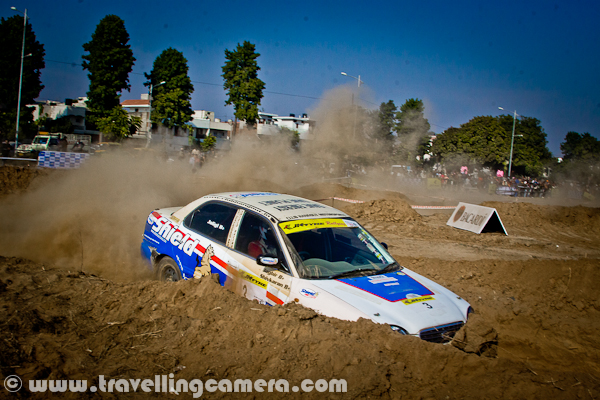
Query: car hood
(403, 298)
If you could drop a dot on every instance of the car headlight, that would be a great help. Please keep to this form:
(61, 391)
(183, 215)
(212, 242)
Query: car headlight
(397, 328)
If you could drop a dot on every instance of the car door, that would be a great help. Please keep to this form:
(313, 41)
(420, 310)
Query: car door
(209, 224)
(256, 236)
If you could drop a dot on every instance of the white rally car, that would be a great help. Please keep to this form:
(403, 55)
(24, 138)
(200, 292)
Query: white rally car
(278, 248)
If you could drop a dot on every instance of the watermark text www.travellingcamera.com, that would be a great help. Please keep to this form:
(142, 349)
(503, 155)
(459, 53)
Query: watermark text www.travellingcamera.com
(168, 384)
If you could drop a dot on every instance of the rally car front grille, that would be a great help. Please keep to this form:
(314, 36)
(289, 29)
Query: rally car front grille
(440, 334)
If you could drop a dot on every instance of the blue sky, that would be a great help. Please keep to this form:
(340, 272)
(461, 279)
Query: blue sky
(462, 58)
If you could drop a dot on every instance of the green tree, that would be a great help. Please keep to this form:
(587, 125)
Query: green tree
(530, 151)
(385, 122)
(208, 143)
(244, 89)
(413, 130)
(11, 41)
(481, 141)
(62, 125)
(109, 62)
(485, 141)
(581, 158)
(292, 136)
(580, 147)
(452, 148)
(171, 99)
(117, 124)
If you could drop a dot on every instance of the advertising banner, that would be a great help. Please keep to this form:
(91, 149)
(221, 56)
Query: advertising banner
(476, 219)
(61, 159)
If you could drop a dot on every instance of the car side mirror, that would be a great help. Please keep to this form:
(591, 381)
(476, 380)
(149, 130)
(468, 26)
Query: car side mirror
(267, 261)
(384, 244)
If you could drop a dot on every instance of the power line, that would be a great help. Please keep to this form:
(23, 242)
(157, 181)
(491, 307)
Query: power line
(218, 84)
(63, 62)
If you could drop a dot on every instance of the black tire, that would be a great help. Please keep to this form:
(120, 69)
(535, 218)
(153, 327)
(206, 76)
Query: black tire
(167, 270)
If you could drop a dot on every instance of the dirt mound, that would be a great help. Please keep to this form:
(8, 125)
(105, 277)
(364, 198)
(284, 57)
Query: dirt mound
(324, 190)
(526, 341)
(384, 210)
(535, 215)
(87, 307)
(477, 337)
(16, 179)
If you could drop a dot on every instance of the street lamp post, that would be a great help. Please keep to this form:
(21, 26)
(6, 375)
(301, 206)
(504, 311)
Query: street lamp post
(512, 140)
(358, 79)
(149, 132)
(20, 76)
(356, 109)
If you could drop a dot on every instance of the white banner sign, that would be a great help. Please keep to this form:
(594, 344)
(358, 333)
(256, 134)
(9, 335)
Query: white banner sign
(476, 219)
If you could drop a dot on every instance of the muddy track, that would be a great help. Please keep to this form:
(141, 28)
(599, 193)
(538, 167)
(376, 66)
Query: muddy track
(76, 304)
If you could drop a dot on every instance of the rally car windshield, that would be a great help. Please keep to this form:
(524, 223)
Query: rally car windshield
(335, 248)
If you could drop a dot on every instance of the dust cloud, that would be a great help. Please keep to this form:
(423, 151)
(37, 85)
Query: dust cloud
(344, 130)
(92, 218)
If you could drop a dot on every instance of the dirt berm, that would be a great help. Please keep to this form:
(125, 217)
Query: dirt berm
(534, 334)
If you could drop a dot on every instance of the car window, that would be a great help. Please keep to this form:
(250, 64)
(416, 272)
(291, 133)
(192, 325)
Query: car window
(328, 251)
(256, 237)
(212, 220)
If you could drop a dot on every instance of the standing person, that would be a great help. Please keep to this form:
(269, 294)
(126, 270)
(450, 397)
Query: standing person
(63, 144)
(192, 162)
(6, 148)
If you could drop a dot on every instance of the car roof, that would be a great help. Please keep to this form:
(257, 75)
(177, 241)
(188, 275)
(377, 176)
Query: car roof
(275, 206)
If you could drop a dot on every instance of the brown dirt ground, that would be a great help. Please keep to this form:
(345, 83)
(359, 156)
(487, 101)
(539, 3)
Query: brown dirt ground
(534, 334)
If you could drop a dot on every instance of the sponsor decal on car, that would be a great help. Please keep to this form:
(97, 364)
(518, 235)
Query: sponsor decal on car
(311, 294)
(253, 279)
(164, 230)
(244, 195)
(271, 288)
(167, 232)
(391, 287)
(308, 224)
(414, 300)
(382, 279)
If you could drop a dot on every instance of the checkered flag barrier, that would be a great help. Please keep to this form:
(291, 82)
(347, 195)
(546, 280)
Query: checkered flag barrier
(61, 159)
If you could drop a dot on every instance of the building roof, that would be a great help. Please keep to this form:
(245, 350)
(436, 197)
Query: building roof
(200, 123)
(135, 103)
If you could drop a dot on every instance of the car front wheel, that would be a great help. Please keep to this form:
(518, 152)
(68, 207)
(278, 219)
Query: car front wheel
(168, 271)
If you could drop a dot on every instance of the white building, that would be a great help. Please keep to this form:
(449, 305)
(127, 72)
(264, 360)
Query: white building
(271, 124)
(203, 124)
(139, 108)
(74, 109)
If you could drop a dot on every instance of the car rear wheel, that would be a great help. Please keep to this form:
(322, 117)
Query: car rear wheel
(168, 271)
